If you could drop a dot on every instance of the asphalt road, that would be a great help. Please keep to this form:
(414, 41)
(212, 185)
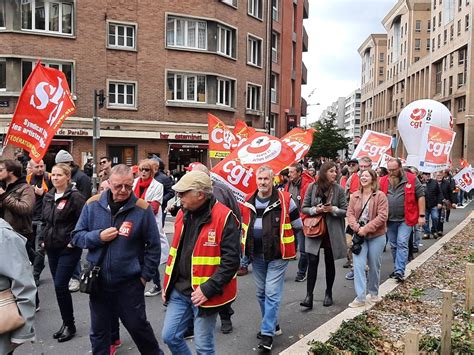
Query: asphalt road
(294, 322)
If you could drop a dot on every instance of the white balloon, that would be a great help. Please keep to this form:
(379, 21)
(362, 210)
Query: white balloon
(411, 122)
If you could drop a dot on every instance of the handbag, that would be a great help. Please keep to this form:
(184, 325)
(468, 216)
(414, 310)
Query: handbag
(10, 318)
(314, 227)
(89, 282)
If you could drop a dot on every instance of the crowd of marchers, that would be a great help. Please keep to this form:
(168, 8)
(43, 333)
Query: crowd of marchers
(346, 209)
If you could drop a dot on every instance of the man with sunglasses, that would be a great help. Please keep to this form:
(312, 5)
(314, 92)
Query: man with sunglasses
(105, 165)
(123, 228)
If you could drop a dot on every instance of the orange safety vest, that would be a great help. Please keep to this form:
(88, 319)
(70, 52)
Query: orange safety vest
(287, 237)
(44, 185)
(206, 256)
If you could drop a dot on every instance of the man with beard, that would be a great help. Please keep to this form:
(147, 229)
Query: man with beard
(406, 201)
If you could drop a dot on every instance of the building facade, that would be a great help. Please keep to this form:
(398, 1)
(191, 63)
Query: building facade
(163, 65)
(352, 119)
(426, 53)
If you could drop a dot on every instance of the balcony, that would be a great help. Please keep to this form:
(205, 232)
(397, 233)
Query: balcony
(305, 40)
(304, 74)
(304, 108)
(305, 9)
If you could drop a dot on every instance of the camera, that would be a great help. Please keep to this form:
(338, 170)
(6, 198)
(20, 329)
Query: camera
(357, 241)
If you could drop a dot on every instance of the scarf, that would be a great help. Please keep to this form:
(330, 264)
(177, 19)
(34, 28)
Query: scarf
(142, 186)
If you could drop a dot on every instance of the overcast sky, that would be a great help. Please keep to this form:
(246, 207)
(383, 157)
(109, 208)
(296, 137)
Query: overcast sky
(336, 29)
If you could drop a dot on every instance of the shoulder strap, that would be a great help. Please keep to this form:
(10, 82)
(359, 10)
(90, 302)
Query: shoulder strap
(363, 208)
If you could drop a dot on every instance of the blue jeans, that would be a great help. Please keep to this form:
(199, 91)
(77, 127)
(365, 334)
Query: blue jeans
(269, 280)
(418, 232)
(244, 261)
(62, 263)
(398, 235)
(434, 214)
(179, 315)
(128, 303)
(370, 254)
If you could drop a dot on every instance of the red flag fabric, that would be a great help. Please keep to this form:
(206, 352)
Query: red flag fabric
(374, 145)
(221, 138)
(44, 103)
(435, 148)
(241, 130)
(299, 140)
(238, 169)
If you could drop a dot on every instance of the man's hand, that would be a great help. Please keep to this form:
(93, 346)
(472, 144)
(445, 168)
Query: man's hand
(143, 281)
(163, 297)
(39, 190)
(454, 206)
(421, 221)
(197, 297)
(2, 191)
(108, 234)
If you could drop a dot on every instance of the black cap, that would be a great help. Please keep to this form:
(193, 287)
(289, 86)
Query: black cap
(353, 161)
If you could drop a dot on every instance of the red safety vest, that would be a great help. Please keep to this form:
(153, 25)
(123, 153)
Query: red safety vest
(411, 203)
(44, 183)
(206, 256)
(287, 237)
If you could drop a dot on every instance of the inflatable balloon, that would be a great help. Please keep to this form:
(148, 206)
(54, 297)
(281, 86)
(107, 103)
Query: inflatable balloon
(411, 120)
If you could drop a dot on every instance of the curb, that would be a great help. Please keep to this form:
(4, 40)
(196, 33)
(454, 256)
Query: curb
(324, 331)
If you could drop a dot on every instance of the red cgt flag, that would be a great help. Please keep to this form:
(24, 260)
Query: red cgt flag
(238, 169)
(299, 140)
(221, 138)
(44, 103)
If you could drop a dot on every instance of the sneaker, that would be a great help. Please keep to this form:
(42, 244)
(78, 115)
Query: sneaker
(243, 271)
(117, 343)
(226, 326)
(440, 234)
(426, 236)
(399, 277)
(73, 285)
(347, 265)
(278, 332)
(350, 275)
(300, 278)
(189, 334)
(373, 299)
(392, 275)
(356, 303)
(154, 291)
(266, 343)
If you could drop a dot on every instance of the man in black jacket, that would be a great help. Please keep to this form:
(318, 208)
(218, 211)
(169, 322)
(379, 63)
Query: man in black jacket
(433, 203)
(447, 186)
(167, 183)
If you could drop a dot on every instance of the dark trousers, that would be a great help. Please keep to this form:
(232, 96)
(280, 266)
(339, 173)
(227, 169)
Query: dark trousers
(38, 263)
(156, 278)
(313, 262)
(62, 263)
(128, 303)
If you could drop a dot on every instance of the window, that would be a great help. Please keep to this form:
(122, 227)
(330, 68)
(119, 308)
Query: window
(439, 40)
(461, 103)
(225, 43)
(186, 33)
(451, 33)
(429, 26)
(47, 16)
(275, 40)
(186, 87)
(428, 44)
(380, 71)
(3, 74)
(461, 56)
(460, 79)
(121, 94)
(254, 51)
(451, 59)
(439, 19)
(66, 68)
(225, 92)
(466, 28)
(459, 27)
(417, 59)
(272, 124)
(418, 26)
(2, 14)
(434, 23)
(381, 57)
(122, 36)
(450, 89)
(438, 78)
(230, 2)
(275, 10)
(253, 97)
(274, 87)
(255, 8)
(459, 5)
(417, 44)
(445, 38)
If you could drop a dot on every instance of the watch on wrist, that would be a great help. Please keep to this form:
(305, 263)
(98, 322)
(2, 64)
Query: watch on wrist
(422, 215)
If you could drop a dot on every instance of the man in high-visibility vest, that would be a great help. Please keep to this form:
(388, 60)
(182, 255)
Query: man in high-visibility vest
(200, 276)
(270, 221)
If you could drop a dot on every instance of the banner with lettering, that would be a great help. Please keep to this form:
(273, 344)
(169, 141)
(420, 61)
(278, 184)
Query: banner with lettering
(242, 131)
(299, 140)
(386, 158)
(238, 169)
(221, 138)
(435, 148)
(465, 179)
(44, 103)
(373, 145)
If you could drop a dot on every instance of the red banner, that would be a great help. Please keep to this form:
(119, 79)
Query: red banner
(221, 138)
(465, 179)
(299, 140)
(238, 169)
(242, 131)
(435, 148)
(44, 103)
(373, 145)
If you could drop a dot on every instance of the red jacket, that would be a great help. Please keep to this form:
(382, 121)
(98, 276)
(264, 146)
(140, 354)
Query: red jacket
(411, 203)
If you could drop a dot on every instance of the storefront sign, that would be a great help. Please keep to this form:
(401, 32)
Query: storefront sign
(73, 132)
(4, 103)
(181, 136)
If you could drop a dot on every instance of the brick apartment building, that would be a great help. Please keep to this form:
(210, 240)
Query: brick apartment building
(163, 66)
(426, 53)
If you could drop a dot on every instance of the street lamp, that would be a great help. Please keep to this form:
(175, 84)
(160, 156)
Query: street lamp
(99, 100)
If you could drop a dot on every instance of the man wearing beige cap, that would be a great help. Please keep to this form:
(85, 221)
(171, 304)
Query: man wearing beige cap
(203, 261)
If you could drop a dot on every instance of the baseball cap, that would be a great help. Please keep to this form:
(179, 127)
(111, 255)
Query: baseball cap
(353, 161)
(193, 165)
(194, 180)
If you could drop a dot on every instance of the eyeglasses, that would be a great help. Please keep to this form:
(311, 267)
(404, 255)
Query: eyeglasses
(352, 165)
(145, 169)
(181, 194)
(103, 162)
(122, 186)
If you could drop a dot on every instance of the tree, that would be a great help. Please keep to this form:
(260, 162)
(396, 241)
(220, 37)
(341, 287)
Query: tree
(328, 139)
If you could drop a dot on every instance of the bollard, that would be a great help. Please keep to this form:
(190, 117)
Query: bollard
(412, 342)
(469, 287)
(446, 321)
